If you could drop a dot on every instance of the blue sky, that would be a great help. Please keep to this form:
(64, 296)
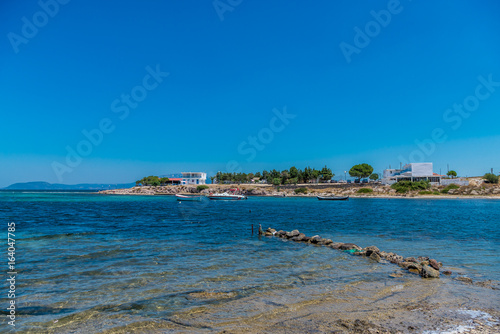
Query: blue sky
(228, 68)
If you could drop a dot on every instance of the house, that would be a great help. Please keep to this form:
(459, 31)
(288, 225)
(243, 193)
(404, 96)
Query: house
(421, 171)
(193, 178)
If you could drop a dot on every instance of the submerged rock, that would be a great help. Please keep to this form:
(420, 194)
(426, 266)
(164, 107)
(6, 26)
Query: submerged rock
(429, 272)
(375, 256)
(349, 246)
(466, 280)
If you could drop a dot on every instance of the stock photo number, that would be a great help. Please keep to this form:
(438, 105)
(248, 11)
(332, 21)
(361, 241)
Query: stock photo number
(11, 264)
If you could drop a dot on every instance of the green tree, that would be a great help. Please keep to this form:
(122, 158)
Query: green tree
(307, 174)
(326, 174)
(374, 177)
(164, 180)
(315, 175)
(490, 178)
(285, 175)
(452, 173)
(276, 181)
(257, 175)
(361, 171)
(294, 172)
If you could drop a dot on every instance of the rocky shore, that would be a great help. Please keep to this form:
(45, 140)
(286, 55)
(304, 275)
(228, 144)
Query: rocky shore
(311, 190)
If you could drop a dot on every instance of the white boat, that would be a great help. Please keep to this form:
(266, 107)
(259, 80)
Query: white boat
(227, 196)
(188, 197)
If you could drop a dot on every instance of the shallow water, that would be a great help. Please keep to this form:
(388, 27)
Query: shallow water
(122, 263)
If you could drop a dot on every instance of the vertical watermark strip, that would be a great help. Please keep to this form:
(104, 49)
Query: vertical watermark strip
(11, 273)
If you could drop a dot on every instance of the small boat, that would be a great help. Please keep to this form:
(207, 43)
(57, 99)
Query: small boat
(333, 198)
(227, 197)
(188, 197)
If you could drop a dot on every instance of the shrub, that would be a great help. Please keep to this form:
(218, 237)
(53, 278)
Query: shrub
(365, 190)
(405, 186)
(201, 187)
(448, 188)
(301, 190)
(425, 192)
(436, 193)
(490, 178)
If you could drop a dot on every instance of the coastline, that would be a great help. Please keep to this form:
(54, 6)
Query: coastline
(313, 190)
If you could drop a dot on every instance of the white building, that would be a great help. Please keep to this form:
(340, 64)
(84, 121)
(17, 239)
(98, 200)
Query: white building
(412, 172)
(194, 178)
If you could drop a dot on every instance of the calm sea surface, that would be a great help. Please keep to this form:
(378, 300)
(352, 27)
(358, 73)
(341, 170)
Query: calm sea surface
(111, 261)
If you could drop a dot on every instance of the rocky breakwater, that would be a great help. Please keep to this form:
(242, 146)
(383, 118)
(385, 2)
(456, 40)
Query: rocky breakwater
(423, 266)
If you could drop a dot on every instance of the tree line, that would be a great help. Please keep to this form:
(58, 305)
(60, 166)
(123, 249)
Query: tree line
(152, 181)
(293, 175)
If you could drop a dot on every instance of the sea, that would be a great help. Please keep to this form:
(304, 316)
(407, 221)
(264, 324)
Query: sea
(92, 263)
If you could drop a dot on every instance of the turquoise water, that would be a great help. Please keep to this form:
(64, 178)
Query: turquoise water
(110, 261)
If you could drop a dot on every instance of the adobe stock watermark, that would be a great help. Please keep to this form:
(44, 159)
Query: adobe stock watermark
(372, 29)
(265, 136)
(454, 117)
(29, 29)
(223, 6)
(119, 106)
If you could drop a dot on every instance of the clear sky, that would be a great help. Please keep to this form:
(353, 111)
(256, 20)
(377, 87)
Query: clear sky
(168, 86)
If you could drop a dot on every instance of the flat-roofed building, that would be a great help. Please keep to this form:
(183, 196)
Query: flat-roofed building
(194, 178)
(421, 171)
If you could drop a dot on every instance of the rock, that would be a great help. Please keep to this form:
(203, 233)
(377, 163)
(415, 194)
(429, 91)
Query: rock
(422, 259)
(289, 235)
(295, 233)
(271, 230)
(280, 233)
(300, 237)
(466, 280)
(429, 272)
(349, 246)
(396, 275)
(414, 271)
(392, 257)
(306, 239)
(447, 272)
(473, 192)
(315, 239)
(325, 242)
(268, 234)
(434, 264)
(375, 256)
(335, 245)
(424, 263)
(410, 259)
(370, 249)
(410, 265)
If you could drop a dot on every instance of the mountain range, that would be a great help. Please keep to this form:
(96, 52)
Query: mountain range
(57, 186)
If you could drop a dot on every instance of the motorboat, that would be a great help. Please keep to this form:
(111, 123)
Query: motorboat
(333, 198)
(193, 198)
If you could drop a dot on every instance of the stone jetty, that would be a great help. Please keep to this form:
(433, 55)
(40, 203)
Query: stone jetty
(423, 265)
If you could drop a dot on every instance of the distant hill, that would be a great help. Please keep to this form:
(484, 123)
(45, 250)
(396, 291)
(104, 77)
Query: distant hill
(56, 186)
